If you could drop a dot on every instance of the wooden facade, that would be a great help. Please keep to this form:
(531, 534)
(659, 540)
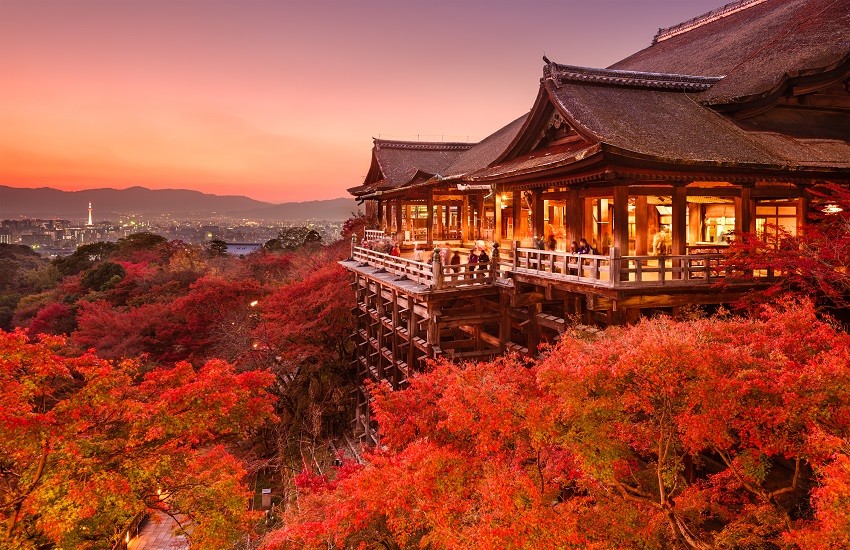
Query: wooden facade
(655, 167)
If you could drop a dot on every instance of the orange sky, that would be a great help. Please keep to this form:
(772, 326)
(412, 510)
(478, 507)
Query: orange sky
(274, 99)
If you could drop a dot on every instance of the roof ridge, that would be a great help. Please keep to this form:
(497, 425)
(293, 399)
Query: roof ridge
(422, 145)
(700, 20)
(665, 81)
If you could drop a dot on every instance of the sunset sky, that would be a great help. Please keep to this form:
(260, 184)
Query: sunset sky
(278, 100)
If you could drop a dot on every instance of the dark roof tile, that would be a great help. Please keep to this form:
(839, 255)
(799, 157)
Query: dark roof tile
(755, 48)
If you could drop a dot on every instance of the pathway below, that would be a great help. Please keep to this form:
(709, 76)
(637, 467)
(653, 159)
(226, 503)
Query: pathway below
(159, 535)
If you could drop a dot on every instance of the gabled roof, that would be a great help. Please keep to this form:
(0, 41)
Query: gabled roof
(397, 163)
(756, 45)
(483, 153)
(651, 117)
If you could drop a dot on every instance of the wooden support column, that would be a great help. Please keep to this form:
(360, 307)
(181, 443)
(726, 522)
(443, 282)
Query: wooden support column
(433, 335)
(380, 214)
(464, 219)
(589, 230)
(408, 212)
(396, 373)
(429, 228)
(680, 220)
(575, 217)
(447, 223)
(411, 333)
(533, 335)
(398, 219)
(745, 221)
(440, 227)
(504, 320)
(517, 214)
(802, 211)
(620, 223)
(538, 214)
(480, 216)
(381, 330)
(497, 231)
(641, 228)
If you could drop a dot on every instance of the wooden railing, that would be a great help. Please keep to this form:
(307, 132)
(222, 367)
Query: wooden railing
(435, 275)
(589, 269)
(616, 271)
(373, 235)
(610, 271)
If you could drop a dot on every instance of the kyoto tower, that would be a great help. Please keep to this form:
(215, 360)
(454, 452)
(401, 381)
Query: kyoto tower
(89, 222)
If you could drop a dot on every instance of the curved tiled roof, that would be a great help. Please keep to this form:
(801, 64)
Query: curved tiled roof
(397, 163)
(486, 151)
(755, 45)
(675, 127)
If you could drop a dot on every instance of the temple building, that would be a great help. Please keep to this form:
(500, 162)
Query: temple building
(731, 121)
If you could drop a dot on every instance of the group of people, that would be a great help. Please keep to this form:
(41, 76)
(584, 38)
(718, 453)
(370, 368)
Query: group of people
(581, 247)
(477, 256)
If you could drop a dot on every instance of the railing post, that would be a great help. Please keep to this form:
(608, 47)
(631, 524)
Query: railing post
(661, 267)
(353, 246)
(494, 262)
(614, 268)
(437, 269)
(515, 245)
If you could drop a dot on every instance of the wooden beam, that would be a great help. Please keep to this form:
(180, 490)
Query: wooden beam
(528, 298)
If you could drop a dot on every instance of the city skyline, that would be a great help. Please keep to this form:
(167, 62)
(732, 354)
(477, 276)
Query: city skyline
(275, 100)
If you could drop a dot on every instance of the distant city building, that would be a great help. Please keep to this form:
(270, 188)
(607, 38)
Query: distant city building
(90, 222)
(242, 249)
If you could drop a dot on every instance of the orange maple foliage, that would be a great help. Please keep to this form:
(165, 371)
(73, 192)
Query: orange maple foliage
(721, 432)
(85, 444)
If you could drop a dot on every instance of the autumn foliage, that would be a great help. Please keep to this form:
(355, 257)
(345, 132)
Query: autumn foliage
(713, 433)
(86, 443)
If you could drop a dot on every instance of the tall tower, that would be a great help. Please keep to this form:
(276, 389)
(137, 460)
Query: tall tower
(89, 222)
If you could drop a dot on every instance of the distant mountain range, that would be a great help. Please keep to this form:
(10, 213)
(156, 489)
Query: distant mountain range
(46, 202)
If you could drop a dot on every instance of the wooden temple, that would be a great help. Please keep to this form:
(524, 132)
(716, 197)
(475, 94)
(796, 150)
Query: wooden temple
(725, 123)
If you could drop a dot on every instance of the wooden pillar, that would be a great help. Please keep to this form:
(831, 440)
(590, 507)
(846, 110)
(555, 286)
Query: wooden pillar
(695, 217)
(802, 210)
(533, 339)
(408, 212)
(589, 229)
(680, 220)
(482, 214)
(398, 219)
(517, 214)
(620, 223)
(464, 219)
(497, 231)
(433, 334)
(447, 223)
(440, 227)
(575, 217)
(411, 333)
(429, 231)
(538, 213)
(745, 221)
(380, 214)
(396, 372)
(641, 226)
(504, 320)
